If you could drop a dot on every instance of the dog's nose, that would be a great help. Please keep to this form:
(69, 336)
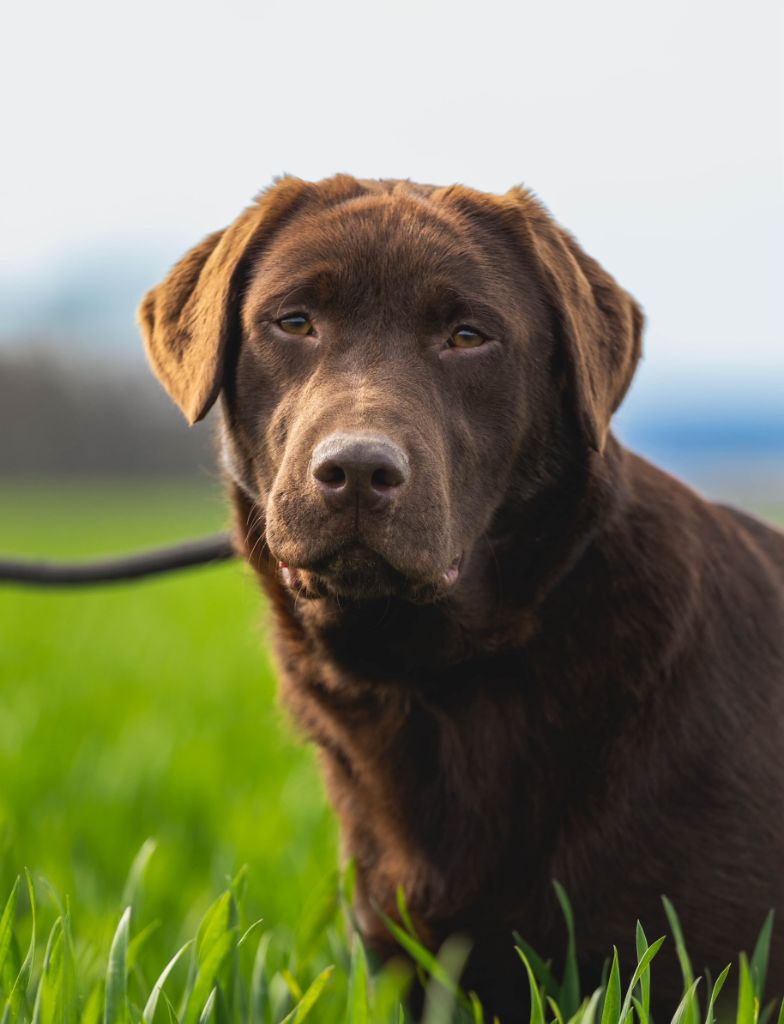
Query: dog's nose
(351, 467)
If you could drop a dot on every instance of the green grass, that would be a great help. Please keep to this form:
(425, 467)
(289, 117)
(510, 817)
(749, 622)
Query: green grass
(237, 971)
(147, 711)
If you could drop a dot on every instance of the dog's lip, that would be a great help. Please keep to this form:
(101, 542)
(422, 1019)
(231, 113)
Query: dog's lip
(286, 574)
(293, 577)
(452, 574)
(313, 580)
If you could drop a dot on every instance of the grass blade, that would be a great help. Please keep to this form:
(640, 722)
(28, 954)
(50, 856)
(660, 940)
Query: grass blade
(309, 999)
(44, 980)
(148, 1014)
(206, 1013)
(67, 995)
(173, 1015)
(611, 1010)
(348, 882)
(7, 925)
(748, 1003)
(686, 1004)
(249, 931)
(717, 987)
(691, 1013)
(477, 1011)
(21, 987)
(643, 967)
(537, 1012)
(589, 1014)
(440, 1001)
(405, 917)
(358, 984)
(541, 970)
(420, 955)
(91, 1014)
(116, 1005)
(558, 1017)
(239, 885)
(210, 967)
(259, 989)
(390, 988)
(759, 959)
(644, 1006)
(135, 880)
(292, 984)
(569, 993)
(214, 925)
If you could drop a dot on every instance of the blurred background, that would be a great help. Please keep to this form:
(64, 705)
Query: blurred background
(653, 132)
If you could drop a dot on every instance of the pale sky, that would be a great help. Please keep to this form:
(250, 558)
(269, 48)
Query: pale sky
(653, 131)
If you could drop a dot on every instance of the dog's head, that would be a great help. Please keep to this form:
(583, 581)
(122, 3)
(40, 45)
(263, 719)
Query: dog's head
(393, 359)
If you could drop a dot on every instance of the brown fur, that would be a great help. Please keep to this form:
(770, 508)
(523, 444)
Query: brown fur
(600, 697)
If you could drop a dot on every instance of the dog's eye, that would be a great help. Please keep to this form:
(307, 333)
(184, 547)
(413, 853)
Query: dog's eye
(465, 337)
(297, 324)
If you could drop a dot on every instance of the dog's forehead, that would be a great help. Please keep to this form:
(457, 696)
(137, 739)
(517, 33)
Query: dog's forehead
(389, 242)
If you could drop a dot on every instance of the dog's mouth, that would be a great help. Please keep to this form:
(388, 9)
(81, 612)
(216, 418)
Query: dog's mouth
(360, 574)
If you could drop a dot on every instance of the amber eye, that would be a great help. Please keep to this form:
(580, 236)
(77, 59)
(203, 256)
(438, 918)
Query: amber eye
(465, 337)
(297, 324)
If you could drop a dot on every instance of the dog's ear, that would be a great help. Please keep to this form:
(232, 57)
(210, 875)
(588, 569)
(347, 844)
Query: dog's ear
(188, 319)
(600, 324)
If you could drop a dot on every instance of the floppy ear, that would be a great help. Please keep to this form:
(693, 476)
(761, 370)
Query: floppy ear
(187, 320)
(600, 323)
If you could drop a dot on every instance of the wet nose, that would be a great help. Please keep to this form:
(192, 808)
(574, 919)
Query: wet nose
(359, 467)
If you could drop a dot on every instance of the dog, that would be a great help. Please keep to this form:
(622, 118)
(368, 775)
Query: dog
(524, 653)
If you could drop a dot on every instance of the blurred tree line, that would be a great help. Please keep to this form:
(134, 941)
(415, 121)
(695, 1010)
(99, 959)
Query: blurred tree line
(91, 416)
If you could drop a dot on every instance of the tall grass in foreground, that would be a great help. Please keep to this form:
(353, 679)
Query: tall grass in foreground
(237, 972)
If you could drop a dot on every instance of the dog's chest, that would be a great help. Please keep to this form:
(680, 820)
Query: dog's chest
(436, 791)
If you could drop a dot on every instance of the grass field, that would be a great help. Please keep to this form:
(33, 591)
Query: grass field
(147, 711)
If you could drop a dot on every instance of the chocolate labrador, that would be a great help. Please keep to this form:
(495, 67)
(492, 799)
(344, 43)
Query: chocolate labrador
(525, 653)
